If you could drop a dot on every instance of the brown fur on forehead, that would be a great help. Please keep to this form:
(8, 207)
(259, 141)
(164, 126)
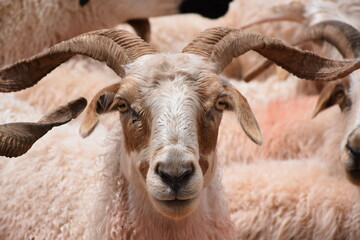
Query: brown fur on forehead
(130, 90)
(208, 126)
(135, 122)
(208, 89)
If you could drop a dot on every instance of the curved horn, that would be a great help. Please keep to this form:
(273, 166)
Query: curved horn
(341, 35)
(221, 45)
(114, 47)
(17, 138)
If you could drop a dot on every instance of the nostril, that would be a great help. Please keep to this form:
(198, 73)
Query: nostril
(353, 151)
(353, 144)
(353, 161)
(163, 174)
(183, 178)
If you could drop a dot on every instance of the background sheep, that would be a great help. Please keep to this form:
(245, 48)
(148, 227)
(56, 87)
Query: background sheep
(27, 27)
(291, 134)
(293, 199)
(309, 199)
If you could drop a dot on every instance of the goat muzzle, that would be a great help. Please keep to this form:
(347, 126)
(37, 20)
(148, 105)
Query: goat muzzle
(352, 163)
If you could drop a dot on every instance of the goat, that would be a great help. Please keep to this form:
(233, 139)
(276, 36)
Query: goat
(161, 178)
(307, 14)
(28, 27)
(307, 199)
(291, 134)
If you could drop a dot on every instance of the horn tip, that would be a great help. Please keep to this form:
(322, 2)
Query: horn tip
(77, 106)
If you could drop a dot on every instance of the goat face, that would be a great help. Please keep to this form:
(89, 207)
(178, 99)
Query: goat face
(347, 98)
(170, 110)
(351, 141)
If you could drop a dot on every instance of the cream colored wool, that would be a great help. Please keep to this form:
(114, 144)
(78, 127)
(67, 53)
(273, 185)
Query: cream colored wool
(287, 127)
(49, 192)
(296, 199)
(293, 199)
(27, 27)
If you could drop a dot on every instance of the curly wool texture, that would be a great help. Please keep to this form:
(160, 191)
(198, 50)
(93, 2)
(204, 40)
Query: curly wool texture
(48, 193)
(293, 199)
(287, 127)
(296, 199)
(64, 188)
(63, 19)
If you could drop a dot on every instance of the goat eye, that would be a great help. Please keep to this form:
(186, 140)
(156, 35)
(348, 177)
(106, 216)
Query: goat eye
(220, 104)
(122, 106)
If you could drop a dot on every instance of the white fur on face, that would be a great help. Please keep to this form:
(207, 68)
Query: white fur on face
(174, 137)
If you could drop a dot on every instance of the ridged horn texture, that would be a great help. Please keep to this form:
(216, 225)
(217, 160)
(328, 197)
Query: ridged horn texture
(114, 47)
(341, 35)
(17, 138)
(221, 45)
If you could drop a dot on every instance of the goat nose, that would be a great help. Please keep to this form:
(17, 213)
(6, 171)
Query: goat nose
(175, 179)
(352, 165)
(353, 145)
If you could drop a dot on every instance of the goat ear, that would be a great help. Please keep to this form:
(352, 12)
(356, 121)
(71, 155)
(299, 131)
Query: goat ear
(238, 103)
(333, 93)
(102, 102)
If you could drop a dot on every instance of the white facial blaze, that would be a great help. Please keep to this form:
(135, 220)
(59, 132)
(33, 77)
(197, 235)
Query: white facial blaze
(174, 116)
(174, 142)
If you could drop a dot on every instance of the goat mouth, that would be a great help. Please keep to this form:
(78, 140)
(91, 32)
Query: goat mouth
(176, 208)
(176, 202)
